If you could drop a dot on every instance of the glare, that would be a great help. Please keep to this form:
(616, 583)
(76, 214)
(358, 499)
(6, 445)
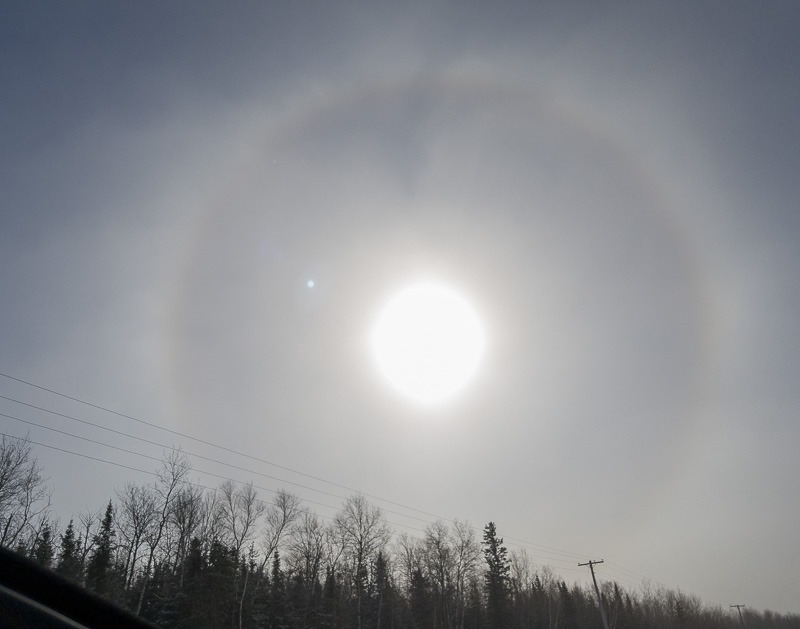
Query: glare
(428, 342)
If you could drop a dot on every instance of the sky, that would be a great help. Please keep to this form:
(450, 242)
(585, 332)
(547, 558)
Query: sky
(613, 189)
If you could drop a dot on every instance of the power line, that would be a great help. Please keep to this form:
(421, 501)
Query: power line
(520, 543)
(209, 443)
(85, 456)
(155, 443)
(136, 453)
(128, 467)
(622, 577)
(194, 484)
(199, 471)
(146, 456)
(567, 554)
(539, 549)
(532, 545)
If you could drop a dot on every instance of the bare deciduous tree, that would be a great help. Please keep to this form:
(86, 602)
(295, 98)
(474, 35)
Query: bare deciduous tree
(171, 477)
(364, 532)
(306, 545)
(136, 515)
(408, 553)
(210, 527)
(280, 515)
(186, 518)
(24, 497)
(466, 559)
(438, 555)
(88, 520)
(240, 510)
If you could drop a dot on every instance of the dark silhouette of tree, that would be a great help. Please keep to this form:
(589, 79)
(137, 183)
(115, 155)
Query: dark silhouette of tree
(217, 585)
(252, 600)
(194, 565)
(364, 531)
(306, 550)
(568, 609)
(381, 594)
(99, 571)
(136, 513)
(161, 602)
(330, 600)
(173, 549)
(420, 600)
(24, 496)
(279, 609)
(473, 613)
(174, 468)
(43, 548)
(69, 561)
(496, 578)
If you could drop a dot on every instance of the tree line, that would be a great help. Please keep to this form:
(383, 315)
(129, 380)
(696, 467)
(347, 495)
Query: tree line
(181, 555)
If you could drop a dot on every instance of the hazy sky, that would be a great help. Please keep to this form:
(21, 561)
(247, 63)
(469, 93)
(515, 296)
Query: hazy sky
(615, 190)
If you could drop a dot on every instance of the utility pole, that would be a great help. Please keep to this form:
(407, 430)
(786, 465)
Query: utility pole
(739, 609)
(591, 565)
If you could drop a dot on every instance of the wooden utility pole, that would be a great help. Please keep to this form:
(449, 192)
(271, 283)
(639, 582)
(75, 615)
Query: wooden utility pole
(591, 565)
(739, 609)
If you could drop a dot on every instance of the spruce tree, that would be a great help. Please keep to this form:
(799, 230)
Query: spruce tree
(99, 569)
(278, 613)
(43, 550)
(420, 600)
(331, 600)
(69, 556)
(192, 588)
(568, 606)
(383, 595)
(496, 577)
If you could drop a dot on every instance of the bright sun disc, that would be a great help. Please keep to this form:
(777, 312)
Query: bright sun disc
(428, 342)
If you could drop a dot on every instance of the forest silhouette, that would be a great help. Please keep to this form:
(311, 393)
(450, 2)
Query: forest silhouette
(180, 554)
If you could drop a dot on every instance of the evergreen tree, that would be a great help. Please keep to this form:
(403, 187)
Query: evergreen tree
(473, 612)
(541, 602)
(43, 550)
(217, 598)
(261, 599)
(190, 602)
(568, 609)
(496, 577)
(251, 582)
(158, 601)
(421, 602)
(381, 594)
(99, 571)
(69, 556)
(278, 612)
(296, 601)
(330, 598)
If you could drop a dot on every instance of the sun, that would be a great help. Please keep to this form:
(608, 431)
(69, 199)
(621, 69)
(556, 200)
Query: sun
(428, 342)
